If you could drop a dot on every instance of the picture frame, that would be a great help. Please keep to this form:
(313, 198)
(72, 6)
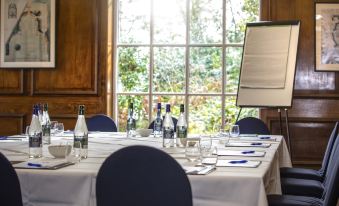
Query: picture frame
(326, 36)
(27, 34)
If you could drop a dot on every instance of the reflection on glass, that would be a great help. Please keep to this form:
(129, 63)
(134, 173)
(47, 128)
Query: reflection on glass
(141, 109)
(133, 64)
(233, 62)
(206, 21)
(134, 21)
(174, 101)
(205, 70)
(169, 21)
(169, 69)
(204, 114)
(238, 13)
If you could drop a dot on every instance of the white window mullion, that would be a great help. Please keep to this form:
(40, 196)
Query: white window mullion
(187, 76)
(223, 60)
(151, 66)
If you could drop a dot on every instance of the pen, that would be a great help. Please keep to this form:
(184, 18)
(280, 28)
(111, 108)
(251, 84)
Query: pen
(34, 164)
(238, 161)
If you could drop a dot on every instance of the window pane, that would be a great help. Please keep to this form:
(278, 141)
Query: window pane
(204, 114)
(233, 62)
(169, 69)
(206, 21)
(174, 101)
(231, 110)
(238, 13)
(141, 114)
(133, 69)
(134, 21)
(205, 70)
(169, 21)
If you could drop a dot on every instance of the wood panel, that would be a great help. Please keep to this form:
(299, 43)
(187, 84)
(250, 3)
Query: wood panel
(79, 76)
(76, 49)
(13, 123)
(316, 94)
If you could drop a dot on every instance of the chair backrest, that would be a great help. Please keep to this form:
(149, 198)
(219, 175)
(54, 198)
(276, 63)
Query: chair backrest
(252, 125)
(101, 122)
(10, 193)
(175, 121)
(329, 149)
(143, 176)
(331, 182)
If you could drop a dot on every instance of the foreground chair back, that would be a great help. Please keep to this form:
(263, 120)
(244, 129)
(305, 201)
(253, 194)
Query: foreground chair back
(143, 176)
(10, 193)
(101, 122)
(252, 125)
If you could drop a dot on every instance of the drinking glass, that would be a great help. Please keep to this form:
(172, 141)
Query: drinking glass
(73, 156)
(224, 136)
(60, 128)
(234, 132)
(27, 131)
(205, 143)
(54, 127)
(209, 156)
(192, 149)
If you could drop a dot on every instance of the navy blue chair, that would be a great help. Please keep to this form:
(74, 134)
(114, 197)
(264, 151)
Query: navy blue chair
(309, 187)
(175, 121)
(252, 125)
(10, 193)
(101, 122)
(143, 176)
(311, 174)
(329, 196)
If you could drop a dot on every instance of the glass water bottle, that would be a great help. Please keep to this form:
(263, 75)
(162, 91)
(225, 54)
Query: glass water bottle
(35, 135)
(157, 129)
(168, 129)
(81, 134)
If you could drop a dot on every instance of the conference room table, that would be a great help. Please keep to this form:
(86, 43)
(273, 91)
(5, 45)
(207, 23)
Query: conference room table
(74, 185)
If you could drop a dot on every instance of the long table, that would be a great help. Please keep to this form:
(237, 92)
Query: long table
(75, 185)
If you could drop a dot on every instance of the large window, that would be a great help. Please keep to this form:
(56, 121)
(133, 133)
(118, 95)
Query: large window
(180, 52)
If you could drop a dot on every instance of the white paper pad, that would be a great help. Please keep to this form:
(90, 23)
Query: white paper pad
(51, 164)
(246, 153)
(199, 170)
(248, 144)
(258, 138)
(238, 163)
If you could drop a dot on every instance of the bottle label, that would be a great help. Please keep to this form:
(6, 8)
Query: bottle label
(157, 125)
(35, 140)
(81, 140)
(181, 132)
(168, 133)
(131, 124)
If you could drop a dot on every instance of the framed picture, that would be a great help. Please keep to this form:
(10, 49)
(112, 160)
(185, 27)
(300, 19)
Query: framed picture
(326, 36)
(27, 34)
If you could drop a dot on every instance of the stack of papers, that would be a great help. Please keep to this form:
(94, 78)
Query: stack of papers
(51, 164)
(246, 153)
(199, 170)
(238, 163)
(248, 144)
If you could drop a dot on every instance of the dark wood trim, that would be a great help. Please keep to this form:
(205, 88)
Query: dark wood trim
(17, 91)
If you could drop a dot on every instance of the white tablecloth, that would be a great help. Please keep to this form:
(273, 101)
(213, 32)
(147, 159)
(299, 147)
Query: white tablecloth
(75, 185)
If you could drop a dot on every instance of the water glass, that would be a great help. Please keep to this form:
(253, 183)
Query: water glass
(234, 132)
(205, 143)
(73, 156)
(192, 149)
(224, 136)
(54, 127)
(209, 156)
(60, 128)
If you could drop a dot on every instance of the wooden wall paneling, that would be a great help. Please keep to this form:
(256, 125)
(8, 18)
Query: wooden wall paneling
(11, 81)
(11, 123)
(76, 69)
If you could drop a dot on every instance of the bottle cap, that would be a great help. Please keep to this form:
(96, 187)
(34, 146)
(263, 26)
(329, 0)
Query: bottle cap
(131, 105)
(159, 105)
(45, 107)
(168, 108)
(35, 109)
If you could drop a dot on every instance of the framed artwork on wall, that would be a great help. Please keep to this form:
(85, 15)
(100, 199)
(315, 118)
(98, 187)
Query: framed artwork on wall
(326, 36)
(27, 34)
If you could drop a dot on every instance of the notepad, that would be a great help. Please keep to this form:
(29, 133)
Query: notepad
(238, 163)
(199, 170)
(258, 138)
(246, 153)
(248, 144)
(51, 164)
